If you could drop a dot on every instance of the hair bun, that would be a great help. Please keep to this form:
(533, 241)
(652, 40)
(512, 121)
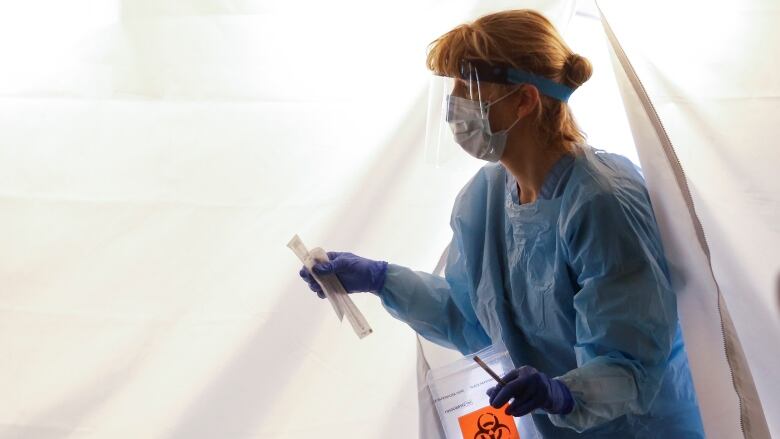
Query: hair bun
(576, 71)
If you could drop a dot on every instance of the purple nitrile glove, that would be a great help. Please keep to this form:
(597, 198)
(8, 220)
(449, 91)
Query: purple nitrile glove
(531, 390)
(355, 273)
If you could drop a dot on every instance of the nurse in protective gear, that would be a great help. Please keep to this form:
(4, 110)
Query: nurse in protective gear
(555, 251)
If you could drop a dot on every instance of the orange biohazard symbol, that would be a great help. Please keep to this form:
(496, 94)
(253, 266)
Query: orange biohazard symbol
(488, 423)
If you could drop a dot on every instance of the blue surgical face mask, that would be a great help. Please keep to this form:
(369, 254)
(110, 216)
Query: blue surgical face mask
(470, 126)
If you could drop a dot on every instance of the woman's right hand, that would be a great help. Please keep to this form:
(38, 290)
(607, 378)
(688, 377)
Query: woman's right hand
(356, 274)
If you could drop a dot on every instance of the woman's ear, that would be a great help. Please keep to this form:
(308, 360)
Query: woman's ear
(528, 100)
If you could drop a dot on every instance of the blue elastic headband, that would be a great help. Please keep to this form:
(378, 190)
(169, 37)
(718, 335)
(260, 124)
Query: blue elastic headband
(509, 75)
(546, 86)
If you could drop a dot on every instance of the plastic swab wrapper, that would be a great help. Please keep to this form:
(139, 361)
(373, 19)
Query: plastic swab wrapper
(331, 287)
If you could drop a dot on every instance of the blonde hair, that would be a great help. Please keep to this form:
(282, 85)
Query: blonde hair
(525, 40)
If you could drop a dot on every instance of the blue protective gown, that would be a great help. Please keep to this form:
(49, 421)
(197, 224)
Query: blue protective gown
(574, 284)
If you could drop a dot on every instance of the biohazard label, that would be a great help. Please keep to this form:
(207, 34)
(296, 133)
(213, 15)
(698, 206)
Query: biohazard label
(488, 423)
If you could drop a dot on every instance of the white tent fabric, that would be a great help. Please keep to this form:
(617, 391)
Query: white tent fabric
(157, 155)
(155, 158)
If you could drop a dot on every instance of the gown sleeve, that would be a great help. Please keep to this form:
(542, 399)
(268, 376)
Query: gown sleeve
(626, 312)
(438, 308)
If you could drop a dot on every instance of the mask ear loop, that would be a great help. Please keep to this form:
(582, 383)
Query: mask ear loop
(513, 125)
(499, 99)
(502, 97)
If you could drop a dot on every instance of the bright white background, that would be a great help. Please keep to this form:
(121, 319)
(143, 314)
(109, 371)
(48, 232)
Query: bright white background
(156, 157)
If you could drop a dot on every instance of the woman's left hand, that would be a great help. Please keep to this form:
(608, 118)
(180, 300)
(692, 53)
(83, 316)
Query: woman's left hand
(531, 390)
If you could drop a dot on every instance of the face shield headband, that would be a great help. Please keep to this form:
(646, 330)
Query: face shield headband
(474, 71)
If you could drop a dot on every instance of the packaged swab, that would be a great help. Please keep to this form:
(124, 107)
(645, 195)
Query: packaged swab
(331, 287)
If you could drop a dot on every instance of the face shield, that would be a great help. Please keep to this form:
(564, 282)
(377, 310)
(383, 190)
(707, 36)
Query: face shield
(458, 110)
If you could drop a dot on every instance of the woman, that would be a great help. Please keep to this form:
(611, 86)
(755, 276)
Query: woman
(555, 249)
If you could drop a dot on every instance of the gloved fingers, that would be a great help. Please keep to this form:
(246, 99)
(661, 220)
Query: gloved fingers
(340, 262)
(304, 273)
(520, 388)
(323, 268)
(521, 407)
(502, 396)
(334, 255)
(314, 286)
(525, 371)
(529, 387)
(511, 376)
(507, 378)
